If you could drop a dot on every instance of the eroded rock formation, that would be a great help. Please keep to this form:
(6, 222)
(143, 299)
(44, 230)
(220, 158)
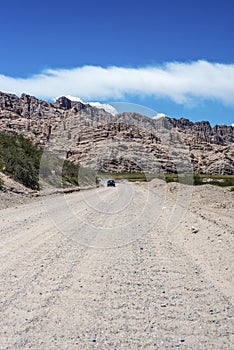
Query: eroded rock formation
(124, 142)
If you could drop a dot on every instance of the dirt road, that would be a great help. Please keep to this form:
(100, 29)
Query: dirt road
(143, 266)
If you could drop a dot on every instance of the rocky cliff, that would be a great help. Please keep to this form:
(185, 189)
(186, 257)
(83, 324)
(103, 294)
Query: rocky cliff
(124, 142)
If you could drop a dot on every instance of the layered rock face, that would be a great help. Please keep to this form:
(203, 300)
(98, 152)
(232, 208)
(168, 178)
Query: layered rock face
(124, 142)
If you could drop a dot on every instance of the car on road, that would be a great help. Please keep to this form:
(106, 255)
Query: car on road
(111, 183)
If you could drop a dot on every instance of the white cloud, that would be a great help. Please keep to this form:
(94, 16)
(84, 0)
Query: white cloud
(233, 125)
(181, 82)
(159, 115)
(108, 108)
(73, 98)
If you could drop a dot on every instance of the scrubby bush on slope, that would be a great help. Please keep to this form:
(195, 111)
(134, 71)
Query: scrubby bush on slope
(20, 159)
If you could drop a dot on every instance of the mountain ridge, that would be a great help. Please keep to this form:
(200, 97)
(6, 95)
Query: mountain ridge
(137, 141)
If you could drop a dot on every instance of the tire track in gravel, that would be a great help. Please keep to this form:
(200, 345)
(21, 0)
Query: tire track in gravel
(32, 234)
(11, 224)
(151, 293)
(211, 247)
(35, 278)
(145, 295)
(25, 252)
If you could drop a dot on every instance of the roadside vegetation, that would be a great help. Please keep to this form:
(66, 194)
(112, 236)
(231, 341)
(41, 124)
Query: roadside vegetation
(189, 179)
(134, 176)
(21, 160)
(201, 179)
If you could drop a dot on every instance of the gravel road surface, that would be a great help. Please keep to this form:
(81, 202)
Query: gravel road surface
(139, 266)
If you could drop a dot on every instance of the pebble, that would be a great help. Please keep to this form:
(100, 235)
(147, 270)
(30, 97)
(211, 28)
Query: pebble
(93, 337)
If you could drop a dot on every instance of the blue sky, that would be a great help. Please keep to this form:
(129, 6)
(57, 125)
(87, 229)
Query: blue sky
(174, 56)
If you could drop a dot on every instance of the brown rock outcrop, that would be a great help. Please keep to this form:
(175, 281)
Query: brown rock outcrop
(124, 142)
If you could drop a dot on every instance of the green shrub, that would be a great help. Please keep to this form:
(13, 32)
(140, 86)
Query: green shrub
(21, 160)
(70, 173)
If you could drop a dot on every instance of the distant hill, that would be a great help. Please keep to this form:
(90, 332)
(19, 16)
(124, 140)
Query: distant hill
(126, 142)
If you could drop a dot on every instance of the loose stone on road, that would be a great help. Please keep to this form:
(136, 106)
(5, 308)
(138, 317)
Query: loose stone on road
(106, 269)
